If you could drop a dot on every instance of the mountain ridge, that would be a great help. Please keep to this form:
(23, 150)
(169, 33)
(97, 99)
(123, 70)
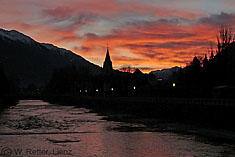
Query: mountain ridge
(32, 62)
(165, 74)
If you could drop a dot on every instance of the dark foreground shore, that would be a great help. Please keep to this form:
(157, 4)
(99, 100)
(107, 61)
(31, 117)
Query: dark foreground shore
(215, 122)
(7, 102)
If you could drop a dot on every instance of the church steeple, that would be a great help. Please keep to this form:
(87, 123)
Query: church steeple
(107, 66)
(107, 55)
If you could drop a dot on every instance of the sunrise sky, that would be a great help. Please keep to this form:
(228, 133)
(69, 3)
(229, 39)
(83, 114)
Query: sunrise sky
(149, 34)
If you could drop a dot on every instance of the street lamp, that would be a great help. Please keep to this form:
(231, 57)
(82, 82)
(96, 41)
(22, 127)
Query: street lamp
(134, 87)
(111, 89)
(173, 84)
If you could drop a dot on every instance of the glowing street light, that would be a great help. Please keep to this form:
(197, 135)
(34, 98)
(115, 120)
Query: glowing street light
(111, 89)
(80, 91)
(173, 84)
(134, 87)
(85, 91)
(97, 90)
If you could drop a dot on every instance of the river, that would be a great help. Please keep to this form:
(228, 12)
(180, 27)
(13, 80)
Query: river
(36, 128)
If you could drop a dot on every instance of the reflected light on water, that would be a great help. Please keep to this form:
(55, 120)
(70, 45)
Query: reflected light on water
(41, 125)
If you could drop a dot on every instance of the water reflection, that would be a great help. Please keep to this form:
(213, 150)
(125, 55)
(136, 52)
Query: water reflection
(33, 125)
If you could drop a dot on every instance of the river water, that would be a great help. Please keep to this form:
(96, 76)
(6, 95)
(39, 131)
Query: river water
(36, 129)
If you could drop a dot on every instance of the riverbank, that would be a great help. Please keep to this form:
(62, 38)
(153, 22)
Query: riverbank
(213, 121)
(158, 125)
(39, 125)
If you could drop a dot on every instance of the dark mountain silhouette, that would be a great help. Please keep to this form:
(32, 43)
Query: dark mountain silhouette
(32, 62)
(165, 74)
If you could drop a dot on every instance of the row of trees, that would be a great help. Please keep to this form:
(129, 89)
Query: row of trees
(203, 73)
(73, 81)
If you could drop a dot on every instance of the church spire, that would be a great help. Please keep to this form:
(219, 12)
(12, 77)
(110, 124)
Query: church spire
(107, 66)
(107, 55)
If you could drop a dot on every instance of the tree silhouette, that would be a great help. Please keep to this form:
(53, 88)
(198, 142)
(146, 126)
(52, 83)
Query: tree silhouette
(205, 61)
(203, 75)
(69, 80)
(224, 38)
(128, 69)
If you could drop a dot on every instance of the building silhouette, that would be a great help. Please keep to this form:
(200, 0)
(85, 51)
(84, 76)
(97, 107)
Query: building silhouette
(107, 73)
(107, 66)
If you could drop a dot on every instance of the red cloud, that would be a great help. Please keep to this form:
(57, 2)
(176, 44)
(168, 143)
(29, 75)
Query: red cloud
(143, 35)
(155, 44)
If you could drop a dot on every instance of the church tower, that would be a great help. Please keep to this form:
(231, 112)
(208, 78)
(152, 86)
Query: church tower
(107, 66)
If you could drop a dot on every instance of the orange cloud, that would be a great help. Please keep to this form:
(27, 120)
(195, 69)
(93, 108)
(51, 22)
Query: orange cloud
(144, 35)
(153, 45)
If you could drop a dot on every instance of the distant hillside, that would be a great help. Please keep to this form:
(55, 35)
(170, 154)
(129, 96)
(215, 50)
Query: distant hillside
(165, 74)
(33, 62)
